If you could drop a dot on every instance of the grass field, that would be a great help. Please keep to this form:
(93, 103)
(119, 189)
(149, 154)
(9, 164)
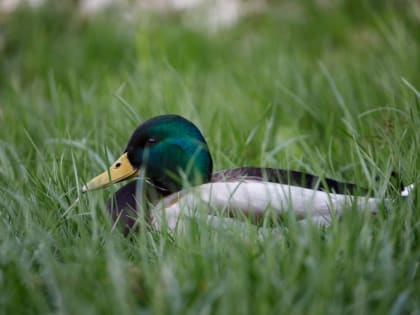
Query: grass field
(329, 89)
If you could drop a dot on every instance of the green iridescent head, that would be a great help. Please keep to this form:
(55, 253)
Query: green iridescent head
(171, 150)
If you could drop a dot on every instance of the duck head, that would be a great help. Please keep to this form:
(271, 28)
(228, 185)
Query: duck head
(170, 149)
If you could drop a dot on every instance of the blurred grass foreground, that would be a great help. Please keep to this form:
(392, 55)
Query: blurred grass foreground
(327, 87)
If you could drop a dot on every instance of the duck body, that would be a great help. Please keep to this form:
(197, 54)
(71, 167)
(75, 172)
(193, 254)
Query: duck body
(254, 200)
(174, 163)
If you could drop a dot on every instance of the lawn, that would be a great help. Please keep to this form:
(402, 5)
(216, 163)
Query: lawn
(326, 87)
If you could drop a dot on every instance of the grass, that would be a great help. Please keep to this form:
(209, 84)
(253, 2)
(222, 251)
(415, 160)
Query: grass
(325, 89)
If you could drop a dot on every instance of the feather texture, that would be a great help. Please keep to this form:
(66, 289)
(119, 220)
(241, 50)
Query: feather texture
(253, 199)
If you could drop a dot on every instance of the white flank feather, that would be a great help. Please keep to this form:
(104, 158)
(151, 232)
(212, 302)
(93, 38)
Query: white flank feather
(253, 198)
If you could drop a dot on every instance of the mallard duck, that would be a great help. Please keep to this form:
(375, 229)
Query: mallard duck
(171, 162)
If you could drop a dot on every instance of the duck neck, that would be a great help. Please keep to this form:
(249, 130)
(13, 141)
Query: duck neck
(183, 169)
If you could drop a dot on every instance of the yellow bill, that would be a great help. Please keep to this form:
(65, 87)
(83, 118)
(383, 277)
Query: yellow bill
(120, 170)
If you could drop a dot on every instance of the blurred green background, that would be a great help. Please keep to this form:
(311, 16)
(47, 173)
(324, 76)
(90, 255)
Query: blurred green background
(328, 87)
(314, 67)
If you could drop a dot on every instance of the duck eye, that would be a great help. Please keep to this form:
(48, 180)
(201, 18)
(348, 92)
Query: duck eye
(151, 140)
(118, 165)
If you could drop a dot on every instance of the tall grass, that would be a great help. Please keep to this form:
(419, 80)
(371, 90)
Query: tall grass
(330, 89)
